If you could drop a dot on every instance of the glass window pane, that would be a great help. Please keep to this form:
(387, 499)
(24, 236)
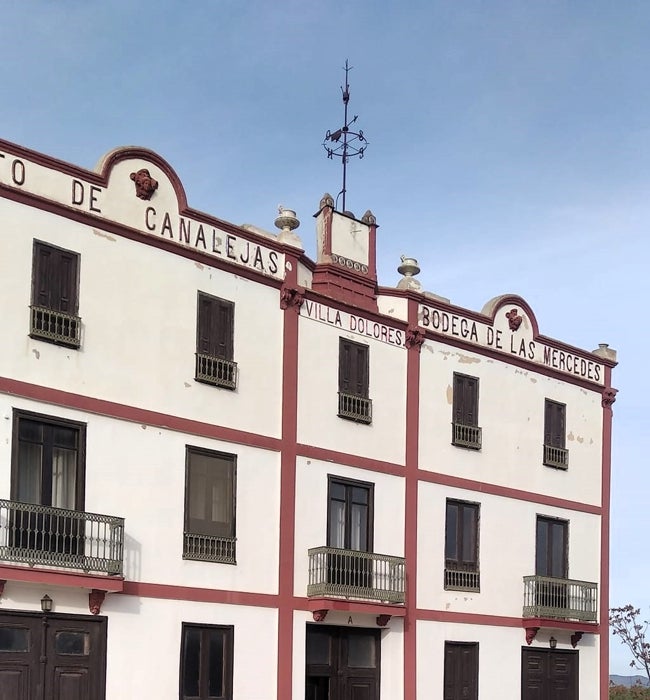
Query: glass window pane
(359, 495)
(451, 534)
(337, 525)
(70, 642)
(216, 661)
(359, 528)
(469, 534)
(541, 548)
(64, 477)
(337, 491)
(191, 661)
(318, 647)
(65, 437)
(30, 430)
(14, 639)
(29, 472)
(361, 651)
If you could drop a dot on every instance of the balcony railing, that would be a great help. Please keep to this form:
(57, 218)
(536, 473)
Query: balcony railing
(47, 536)
(216, 370)
(560, 598)
(457, 580)
(466, 436)
(352, 574)
(355, 408)
(209, 548)
(556, 457)
(55, 326)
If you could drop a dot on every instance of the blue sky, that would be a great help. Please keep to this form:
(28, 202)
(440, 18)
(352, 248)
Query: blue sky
(509, 149)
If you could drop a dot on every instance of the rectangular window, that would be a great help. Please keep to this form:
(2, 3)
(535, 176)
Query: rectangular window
(350, 530)
(55, 296)
(461, 546)
(555, 452)
(47, 471)
(461, 671)
(551, 565)
(465, 429)
(206, 662)
(210, 506)
(214, 342)
(354, 379)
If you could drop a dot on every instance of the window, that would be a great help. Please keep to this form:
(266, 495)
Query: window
(465, 428)
(555, 452)
(214, 342)
(354, 374)
(55, 296)
(209, 506)
(206, 662)
(461, 546)
(551, 562)
(47, 470)
(461, 671)
(350, 529)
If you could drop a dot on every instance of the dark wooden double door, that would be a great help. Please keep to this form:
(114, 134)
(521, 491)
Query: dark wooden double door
(342, 663)
(52, 657)
(549, 674)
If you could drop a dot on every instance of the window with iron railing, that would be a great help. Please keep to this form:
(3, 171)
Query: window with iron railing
(555, 452)
(214, 342)
(465, 429)
(354, 376)
(461, 546)
(210, 489)
(55, 296)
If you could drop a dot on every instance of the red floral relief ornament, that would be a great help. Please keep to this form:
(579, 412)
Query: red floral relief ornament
(145, 185)
(609, 396)
(514, 320)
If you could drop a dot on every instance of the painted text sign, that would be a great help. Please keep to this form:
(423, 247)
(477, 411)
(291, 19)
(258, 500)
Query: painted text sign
(511, 342)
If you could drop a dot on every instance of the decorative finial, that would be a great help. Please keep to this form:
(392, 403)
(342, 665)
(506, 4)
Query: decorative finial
(409, 268)
(344, 143)
(287, 220)
(369, 218)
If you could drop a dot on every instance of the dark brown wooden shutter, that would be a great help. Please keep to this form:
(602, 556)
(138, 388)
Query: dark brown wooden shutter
(461, 671)
(55, 273)
(465, 408)
(215, 324)
(354, 370)
(554, 423)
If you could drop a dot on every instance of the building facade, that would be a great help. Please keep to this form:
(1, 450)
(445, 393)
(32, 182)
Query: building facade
(229, 471)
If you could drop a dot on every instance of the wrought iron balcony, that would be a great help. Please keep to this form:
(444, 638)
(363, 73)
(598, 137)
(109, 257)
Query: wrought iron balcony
(356, 408)
(209, 548)
(216, 370)
(351, 574)
(47, 536)
(560, 599)
(458, 580)
(55, 326)
(556, 457)
(466, 436)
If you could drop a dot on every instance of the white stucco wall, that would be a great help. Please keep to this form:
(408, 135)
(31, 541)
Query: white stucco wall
(138, 472)
(311, 512)
(318, 372)
(507, 532)
(138, 306)
(511, 415)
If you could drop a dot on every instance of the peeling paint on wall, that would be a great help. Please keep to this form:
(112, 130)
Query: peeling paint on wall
(103, 234)
(450, 394)
(467, 360)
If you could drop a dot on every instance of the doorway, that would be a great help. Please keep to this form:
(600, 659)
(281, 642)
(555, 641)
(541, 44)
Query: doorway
(342, 663)
(52, 656)
(548, 674)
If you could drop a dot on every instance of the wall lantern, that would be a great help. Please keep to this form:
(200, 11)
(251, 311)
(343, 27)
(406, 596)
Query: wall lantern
(46, 603)
(552, 642)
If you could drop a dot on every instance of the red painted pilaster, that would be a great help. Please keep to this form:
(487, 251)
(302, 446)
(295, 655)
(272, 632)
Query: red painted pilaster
(414, 344)
(609, 396)
(291, 299)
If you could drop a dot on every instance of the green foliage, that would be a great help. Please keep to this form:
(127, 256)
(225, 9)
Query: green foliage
(636, 692)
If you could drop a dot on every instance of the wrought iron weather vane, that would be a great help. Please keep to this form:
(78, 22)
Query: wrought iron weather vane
(345, 143)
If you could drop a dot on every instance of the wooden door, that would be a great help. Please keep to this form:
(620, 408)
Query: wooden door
(342, 663)
(549, 674)
(52, 657)
(461, 671)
